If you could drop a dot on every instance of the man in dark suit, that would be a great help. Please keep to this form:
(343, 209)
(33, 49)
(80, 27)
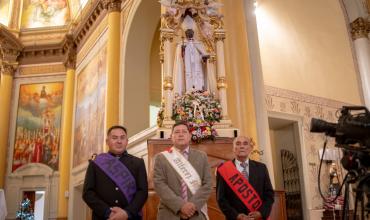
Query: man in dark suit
(177, 199)
(116, 186)
(244, 181)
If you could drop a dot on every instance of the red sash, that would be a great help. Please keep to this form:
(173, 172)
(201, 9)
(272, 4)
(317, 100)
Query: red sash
(240, 186)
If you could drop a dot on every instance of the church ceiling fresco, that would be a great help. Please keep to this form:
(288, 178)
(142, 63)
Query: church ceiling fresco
(45, 13)
(4, 12)
(38, 122)
(77, 6)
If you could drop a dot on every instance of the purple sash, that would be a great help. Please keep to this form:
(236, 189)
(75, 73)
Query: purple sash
(118, 172)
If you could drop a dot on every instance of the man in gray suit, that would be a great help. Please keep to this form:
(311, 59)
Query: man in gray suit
(182, 179)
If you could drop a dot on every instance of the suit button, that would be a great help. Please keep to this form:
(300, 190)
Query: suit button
(116, 201)
(116, 188)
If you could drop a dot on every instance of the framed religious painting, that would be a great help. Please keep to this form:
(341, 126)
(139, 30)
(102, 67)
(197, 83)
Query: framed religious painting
(36, 122)
(89, 119)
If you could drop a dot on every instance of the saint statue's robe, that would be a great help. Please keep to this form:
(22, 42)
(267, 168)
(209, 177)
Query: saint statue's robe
(189, 69)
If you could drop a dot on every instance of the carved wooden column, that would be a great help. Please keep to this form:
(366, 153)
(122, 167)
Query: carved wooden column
(221, 76)
(360, 30)
(113, 60)
(167, 38)
(66, 127)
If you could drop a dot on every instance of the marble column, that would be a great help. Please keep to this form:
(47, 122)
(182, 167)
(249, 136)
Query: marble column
(360, 30)
(66, 128)
(113, 60)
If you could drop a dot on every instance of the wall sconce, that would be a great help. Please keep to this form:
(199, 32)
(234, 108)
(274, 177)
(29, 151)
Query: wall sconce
(330, 155)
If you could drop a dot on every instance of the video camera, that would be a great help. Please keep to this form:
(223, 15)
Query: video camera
(352, 134)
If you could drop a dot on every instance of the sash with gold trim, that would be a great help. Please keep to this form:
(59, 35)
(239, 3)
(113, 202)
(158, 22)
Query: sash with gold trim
(186, 171)
(240, 186)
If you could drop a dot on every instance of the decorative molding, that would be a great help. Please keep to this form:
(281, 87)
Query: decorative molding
(112, 5)
(85, 48)
(300, 97)
(54, 44)
(42, 54)
(42, 36)
(71, 52)
(220, 35)
(10, 46)
(8, 69)
(88, 24)
(360, 28)
(167, 34)
(41, 69)
(212, 58)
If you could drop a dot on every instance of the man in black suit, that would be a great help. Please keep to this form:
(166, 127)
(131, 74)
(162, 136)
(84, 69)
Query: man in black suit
(244, 189)
(116, 186)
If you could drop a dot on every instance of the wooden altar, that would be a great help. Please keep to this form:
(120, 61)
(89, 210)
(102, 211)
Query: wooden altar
(218, 151)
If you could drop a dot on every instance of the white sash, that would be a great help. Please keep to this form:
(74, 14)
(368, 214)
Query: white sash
(186, 172)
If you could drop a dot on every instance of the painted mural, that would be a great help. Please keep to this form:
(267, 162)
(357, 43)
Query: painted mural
(77, 6)
(44, 13)
(4, 12)
(90, 109)
(38, 122)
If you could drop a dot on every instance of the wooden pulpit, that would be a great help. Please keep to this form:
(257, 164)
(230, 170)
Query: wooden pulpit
(218, 151)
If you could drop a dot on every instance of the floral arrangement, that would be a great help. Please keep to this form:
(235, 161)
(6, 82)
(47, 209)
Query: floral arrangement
(201, 130)
(200, 109)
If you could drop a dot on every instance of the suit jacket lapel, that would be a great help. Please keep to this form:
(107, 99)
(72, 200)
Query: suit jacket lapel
(252, 170)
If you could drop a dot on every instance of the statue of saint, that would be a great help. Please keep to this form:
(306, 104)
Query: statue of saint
(190, 65)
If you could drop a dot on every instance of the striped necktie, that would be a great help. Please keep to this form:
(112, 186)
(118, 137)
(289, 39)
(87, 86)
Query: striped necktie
(244, 165)
(184, 188)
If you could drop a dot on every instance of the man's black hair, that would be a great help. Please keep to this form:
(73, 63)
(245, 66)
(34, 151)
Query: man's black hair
(116, 127)
(178, 123)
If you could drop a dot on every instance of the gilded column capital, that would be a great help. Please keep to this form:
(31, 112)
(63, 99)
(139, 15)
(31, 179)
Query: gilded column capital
(359, 28)
(221, 83)
(10, 47)
(112, 5)
(212, 58)
(167, 35)
(70, 49)
(167, 83)
(8, 68)
(219, 35)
